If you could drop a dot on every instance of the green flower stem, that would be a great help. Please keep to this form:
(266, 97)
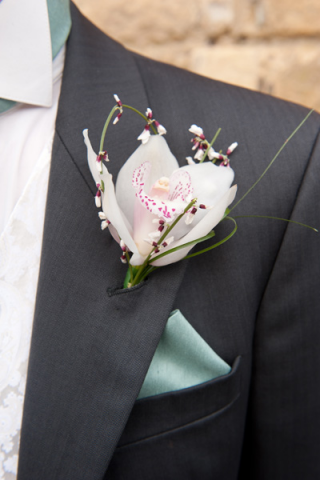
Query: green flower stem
(193, 242)
(130, 267)
(140, 273)
(147, 272)
(112, 112)
(175, 222)
(127, 281)
(104, 131)
(272, 161)
(130, 274)
(141, 115)
(278, 218)
(212, 142)
(218, 243)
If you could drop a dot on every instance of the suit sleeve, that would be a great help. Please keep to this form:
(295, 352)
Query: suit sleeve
(283, 426)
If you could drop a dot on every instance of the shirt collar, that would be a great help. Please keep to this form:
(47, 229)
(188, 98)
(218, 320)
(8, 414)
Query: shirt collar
(25, 54)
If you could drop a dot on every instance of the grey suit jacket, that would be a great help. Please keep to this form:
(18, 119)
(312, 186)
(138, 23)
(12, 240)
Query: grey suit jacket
(255, 300)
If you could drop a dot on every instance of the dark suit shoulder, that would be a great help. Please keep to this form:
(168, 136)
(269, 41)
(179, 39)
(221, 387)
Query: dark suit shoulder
(191, 88)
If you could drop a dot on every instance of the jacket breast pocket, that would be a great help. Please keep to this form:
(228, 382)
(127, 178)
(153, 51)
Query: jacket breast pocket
(189, 434)
(161, 413)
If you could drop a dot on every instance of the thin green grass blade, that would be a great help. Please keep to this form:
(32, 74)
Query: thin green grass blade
(277, 218)
(224, 240)
(272, 161)
(194, 242)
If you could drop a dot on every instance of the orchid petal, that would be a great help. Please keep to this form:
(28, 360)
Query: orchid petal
(180, 186)
(114, 233)
(140, 175)
(115, 215)
(157, 152)
(153, 205)
(210, 220)
(92, 158)
(110, 205)
(137, 259)
(164, 205)
(209, 184)
(209, 181)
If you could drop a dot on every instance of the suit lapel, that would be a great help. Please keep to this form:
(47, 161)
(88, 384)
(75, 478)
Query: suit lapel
(91, 344)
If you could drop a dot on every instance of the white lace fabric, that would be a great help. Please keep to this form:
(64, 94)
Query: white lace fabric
(20, 249)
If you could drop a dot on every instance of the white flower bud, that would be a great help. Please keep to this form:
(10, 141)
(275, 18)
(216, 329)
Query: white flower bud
(149, 113)
(99, 166)
(189, 218)
(199, 155)
(160, 128)
(168, 241)
(196, 130)
(104, 224)
(232, 147)
(144, 136)
(213, 154)
(154, 235)
(123, 246)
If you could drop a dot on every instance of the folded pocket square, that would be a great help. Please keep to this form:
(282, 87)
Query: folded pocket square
(182, 359)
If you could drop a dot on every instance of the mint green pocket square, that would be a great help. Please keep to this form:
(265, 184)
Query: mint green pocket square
(182, 359)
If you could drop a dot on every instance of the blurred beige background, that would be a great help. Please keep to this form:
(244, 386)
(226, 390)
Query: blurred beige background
(267, 45)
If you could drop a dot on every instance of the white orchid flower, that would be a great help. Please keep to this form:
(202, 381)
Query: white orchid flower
(151, 191)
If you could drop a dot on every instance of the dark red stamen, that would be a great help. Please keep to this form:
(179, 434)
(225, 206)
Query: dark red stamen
(202, 206)
(161, 228)
(193, 211)
(154, 244)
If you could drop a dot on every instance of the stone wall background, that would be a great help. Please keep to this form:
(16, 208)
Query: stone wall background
(268, 45)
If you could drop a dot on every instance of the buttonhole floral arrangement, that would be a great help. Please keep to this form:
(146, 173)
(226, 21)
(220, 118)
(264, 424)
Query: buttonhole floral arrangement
(157, 212)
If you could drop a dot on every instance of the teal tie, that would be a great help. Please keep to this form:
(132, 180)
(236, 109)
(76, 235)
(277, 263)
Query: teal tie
(60, 25)
(5, 104)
